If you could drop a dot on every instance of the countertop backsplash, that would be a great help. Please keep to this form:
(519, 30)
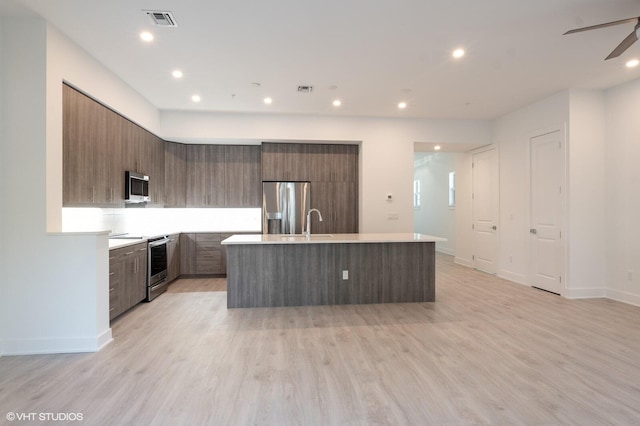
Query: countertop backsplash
(154, 221)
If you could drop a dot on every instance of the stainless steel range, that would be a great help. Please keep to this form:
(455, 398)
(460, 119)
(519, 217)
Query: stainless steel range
(157, 270)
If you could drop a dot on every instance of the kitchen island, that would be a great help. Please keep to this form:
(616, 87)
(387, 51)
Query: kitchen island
(294, 270)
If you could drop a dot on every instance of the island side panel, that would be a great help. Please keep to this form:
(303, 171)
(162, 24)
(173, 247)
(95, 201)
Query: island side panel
(273, 275)
(409, 275)
(386, 273)
(265, 275)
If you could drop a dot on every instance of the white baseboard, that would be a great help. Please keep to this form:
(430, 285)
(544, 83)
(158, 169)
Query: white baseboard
(514, 277)
(623, 296)
(445, 250)
(57, 346)
(584, 293)
(464, 262)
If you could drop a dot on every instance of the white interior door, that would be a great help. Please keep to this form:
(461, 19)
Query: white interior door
(485, 210)
(546, 211)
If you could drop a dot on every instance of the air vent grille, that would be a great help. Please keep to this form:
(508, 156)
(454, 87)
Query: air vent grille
(305, 89)
(161, 18)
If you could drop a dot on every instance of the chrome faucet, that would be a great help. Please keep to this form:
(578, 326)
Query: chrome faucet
(308, 232)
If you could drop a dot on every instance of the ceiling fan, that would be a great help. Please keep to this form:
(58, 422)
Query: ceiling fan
(626, 43)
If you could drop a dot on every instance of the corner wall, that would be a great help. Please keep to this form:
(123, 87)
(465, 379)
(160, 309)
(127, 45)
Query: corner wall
(54, 286)
(622, 205)
(585, 212)
(3, 184)
(512, 133)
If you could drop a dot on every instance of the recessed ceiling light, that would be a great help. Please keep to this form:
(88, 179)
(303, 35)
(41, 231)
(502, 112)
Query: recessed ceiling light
(177, 74)
(632, 63)
(196, 98)
(402, 105)
(337, 103)
(437, 147)
(268, 101)
(458, 53)
(146, 36)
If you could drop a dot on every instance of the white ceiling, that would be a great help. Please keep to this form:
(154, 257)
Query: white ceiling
(377, 52)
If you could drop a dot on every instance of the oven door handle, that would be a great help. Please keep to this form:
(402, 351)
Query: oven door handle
(158, 284)
(158, 242)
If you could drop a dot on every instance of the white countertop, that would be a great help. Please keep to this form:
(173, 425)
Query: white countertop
(331, 238)
(115, 243)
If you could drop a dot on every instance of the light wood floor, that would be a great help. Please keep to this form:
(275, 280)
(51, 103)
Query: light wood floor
(486, 352)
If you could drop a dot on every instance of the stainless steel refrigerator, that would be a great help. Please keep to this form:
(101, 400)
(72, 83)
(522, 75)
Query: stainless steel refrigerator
(285, 206)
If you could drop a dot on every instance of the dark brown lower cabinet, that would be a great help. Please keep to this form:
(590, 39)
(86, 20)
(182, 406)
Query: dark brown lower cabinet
(173, 257)
(127, 278)
(201, 254)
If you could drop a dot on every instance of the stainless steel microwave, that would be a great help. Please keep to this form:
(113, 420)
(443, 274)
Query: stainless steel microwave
(136, 187)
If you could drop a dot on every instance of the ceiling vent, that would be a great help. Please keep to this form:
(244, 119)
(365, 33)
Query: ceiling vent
(161, 18)
(305, 89)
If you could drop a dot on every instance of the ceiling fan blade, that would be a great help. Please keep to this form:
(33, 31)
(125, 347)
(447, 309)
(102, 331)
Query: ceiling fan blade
(608, 24)
(626, 43)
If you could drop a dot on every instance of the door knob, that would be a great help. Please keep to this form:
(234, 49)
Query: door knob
(494, 227)
(533, 231)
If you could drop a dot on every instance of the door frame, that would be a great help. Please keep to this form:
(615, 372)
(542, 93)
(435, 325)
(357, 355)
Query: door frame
(471, 153)
(564, 178)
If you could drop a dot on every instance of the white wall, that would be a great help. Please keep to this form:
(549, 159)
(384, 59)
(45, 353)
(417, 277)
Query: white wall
(622, 205)
(586, 258)
(386, 151)
(3, 185)
(464, 218)
(580, 116)
(54, 288)
(434, 216)
(512, 133)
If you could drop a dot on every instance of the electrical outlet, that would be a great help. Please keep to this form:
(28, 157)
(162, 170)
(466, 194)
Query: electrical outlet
(345, 274)
(393, 216)
(630, 275)
(510, 259)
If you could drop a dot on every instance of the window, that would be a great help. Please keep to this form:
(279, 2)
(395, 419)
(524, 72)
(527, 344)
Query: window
(452, 189)
(416, 194)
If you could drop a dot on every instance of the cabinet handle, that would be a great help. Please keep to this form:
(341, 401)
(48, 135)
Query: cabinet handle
(111, 309)
(111, 289)
(111, 273)
(129, 253)
(143, 249)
